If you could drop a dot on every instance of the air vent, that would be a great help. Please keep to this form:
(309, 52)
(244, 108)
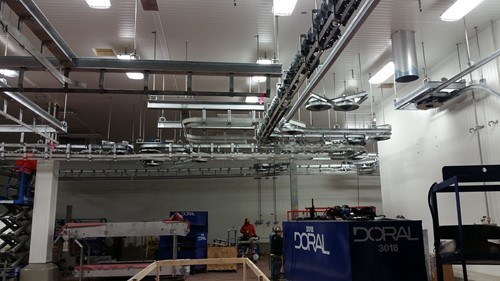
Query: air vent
(149, 5)
(104, 52)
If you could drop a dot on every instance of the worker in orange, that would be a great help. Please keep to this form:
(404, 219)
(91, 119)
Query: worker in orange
(248, 230)
(25, 167)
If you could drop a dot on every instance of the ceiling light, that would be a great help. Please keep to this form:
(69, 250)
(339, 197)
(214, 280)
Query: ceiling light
(9, 73)
(264, 61)
(459, 9)
(135, 75)
(383, 74)
(259, 79)
(99, 4)
(252, 99)
(125, 56)
(318, 103)
(283, 7)
(349, 102)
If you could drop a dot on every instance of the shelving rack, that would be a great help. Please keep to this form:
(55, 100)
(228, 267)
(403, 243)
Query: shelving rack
(472, 240)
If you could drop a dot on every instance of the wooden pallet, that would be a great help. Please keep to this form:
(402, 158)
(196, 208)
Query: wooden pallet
(221, 252)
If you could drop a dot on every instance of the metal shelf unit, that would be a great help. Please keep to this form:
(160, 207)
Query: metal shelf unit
(472, 240)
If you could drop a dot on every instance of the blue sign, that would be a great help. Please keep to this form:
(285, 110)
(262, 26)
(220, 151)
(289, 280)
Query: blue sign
(316, 251)
(386, 250)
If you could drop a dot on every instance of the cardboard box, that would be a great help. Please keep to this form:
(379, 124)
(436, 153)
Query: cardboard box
(447, 270)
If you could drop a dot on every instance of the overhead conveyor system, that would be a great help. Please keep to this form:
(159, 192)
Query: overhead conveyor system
(210, 136)
(324, 34)
(311, 141)
(181, 170)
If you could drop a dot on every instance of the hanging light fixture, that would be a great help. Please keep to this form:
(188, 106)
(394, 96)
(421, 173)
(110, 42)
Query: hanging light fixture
(353, 101)
(252, 99)
(349, 102)
(99, 4)
(318, 103)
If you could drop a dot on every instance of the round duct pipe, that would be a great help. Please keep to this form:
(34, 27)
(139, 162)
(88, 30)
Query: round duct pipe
(404, 54)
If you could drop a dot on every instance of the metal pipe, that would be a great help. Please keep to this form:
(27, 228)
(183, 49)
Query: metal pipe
(478, 50)
(458, 55)
(425, 62)
(404, 53)
(275, 209)
(344, 40)
(81, 259)
(468, 70)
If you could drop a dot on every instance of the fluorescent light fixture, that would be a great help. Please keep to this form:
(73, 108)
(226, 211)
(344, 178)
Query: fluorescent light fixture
(259, 79)
(264, 61)
(459, 9)
(252, 99)
(99, 4)
(125, 56)
(9, 73)
(135, 75)
(283, 7)
(383, 74)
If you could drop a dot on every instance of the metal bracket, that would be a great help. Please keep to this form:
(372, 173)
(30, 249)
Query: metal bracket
(474, 129)
(492, 122)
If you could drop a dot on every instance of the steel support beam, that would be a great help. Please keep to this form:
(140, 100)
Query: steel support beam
(24, 42)
(204, 105)
(23, 129)
(180, 67)
(128, 92)
(153, 66)
(44, 23)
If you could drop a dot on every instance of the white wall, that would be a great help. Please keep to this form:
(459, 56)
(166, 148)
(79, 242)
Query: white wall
(228, 201)
(423, 142)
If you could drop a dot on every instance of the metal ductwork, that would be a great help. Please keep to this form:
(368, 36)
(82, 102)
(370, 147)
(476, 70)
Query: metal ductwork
(404, 54)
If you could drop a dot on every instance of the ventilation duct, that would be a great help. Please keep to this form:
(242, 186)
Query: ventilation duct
(404, 54)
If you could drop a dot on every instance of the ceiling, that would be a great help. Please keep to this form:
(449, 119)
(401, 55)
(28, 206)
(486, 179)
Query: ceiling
(229, 31)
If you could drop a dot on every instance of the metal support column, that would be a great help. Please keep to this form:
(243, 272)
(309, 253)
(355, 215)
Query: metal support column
(294, 188)
(40, 266)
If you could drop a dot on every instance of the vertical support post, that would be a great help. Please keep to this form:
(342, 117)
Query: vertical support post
(294, 189)
(44, 211)
(245, 269)
(189, 82)
(174, 248)
(268, 84)
(231, 83)
(40, 266)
